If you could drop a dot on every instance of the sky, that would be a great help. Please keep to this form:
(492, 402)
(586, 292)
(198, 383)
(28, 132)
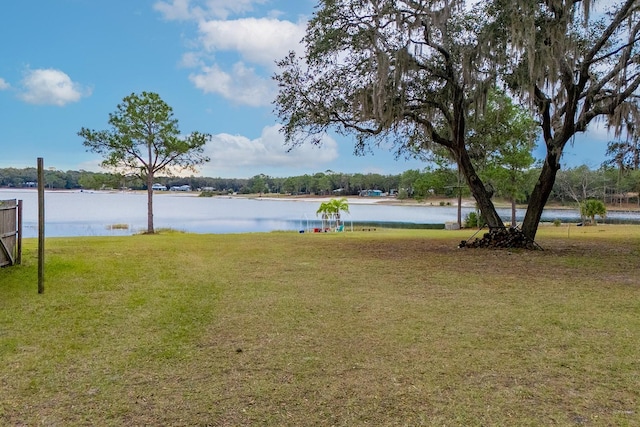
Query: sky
(67, 64)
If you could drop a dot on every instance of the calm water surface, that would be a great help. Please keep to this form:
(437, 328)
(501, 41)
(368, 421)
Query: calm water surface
(77, 213)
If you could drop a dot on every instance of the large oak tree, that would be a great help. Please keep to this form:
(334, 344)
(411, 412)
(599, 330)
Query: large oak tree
(143, 140)
(405, 72)
(411, 72)
(575, 65)
(501, 141)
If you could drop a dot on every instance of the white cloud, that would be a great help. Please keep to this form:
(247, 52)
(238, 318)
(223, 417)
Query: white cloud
(257, 40)
(191, 60)
(599, 131)
(191, 9)
(242, 85)
(223, 8)
(51, 87)
(233, 153)
(177, 10)
(92, 165)
(3, 84)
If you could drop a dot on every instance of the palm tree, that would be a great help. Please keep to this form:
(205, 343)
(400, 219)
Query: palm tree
(330, 210)
(339, 205)
(325, 210)
(592, 207)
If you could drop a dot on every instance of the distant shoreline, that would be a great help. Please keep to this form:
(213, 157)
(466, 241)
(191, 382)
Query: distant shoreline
(434, 202)
(354, 200)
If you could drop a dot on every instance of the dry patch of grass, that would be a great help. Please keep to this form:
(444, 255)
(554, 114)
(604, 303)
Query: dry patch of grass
(382, 328)
(118, 226)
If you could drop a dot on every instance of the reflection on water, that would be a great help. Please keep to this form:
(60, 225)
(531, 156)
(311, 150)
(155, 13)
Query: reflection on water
(96, 213)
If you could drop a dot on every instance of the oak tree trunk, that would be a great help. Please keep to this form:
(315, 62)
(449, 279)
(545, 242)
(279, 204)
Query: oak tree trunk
(540, 194)
(478, 190)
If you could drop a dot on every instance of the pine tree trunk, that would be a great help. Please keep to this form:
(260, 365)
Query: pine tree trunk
(150, 175)
(150, 229)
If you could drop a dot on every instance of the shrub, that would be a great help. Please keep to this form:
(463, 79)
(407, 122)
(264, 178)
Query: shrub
(473, 220)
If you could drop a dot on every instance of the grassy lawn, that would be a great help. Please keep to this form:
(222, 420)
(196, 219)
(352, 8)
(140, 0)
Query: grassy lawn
(384, 328)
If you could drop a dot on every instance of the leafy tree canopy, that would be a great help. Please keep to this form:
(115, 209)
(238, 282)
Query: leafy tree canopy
(143, 140)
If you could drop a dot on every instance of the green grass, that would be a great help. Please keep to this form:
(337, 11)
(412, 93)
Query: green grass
(393, 327)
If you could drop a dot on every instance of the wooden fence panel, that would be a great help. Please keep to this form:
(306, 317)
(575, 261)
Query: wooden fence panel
(8, 231)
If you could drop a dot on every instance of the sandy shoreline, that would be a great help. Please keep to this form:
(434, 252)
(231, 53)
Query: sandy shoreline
(369, 200)
(435, 202)
(352, 200)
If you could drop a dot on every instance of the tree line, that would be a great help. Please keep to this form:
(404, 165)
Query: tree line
(610, 184)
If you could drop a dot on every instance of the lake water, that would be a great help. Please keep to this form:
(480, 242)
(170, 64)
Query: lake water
(76, 213)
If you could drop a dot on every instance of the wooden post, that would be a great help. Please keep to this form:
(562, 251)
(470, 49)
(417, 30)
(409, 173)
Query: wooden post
(19, 254)
(40, 225)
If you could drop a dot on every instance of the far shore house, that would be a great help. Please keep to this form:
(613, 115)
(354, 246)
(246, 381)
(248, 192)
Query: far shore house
(371, 193)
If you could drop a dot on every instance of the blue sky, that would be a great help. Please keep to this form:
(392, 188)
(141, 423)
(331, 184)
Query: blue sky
(66, 64)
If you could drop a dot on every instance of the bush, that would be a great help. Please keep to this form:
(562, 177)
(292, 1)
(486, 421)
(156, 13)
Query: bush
(473, 220)
(557, 222)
